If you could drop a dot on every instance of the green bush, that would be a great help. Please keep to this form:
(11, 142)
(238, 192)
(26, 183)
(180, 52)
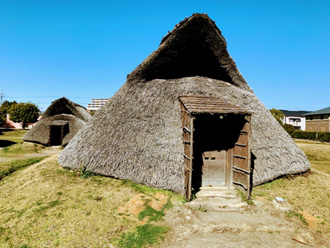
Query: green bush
(324, 136)
(304, 135)
(320, 136)
(289, 128)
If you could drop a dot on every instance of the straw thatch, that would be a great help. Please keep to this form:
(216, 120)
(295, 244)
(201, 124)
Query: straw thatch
(138, 134)
(60, 109)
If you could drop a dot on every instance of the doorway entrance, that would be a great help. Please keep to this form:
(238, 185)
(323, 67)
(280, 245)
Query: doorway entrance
(57, 131)
(216, 138)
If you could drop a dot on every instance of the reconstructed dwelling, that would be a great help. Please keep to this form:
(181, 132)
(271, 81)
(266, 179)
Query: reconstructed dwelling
(318, 121)
(186, 118)
(60, 122)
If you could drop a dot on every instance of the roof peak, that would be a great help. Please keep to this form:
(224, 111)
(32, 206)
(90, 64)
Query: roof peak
(193, 16)
(195, 47)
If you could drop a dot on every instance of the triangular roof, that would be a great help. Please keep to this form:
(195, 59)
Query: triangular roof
(138, 134)
(319, 112)
(65, 106)
(195, 47)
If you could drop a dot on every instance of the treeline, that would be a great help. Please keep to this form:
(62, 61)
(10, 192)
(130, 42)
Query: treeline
(23, 112)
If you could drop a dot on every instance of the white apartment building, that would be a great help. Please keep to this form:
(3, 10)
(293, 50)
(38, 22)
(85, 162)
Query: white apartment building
(295, 118)
(96, 104)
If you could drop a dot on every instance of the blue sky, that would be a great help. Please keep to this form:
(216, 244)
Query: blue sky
(84, 49)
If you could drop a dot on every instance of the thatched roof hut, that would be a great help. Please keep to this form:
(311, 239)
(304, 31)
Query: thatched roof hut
(60, 122)
(185, 102)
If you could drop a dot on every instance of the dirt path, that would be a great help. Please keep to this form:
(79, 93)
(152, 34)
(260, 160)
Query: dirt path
(258, 226)
(43, 153)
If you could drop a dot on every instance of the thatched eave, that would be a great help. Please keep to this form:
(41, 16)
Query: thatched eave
(143, 141)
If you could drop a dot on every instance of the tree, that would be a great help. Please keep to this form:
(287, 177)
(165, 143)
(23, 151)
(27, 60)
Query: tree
(278, 114)
(289, 128)
(4, 110)
(24, 113)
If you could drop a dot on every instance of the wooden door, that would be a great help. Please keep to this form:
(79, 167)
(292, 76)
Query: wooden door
(241, 158)
(214, 168)
(188, 127)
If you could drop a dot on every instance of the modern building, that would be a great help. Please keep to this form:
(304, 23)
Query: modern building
(318, 121)
(295, 118)
(16, 125)
(96, 104)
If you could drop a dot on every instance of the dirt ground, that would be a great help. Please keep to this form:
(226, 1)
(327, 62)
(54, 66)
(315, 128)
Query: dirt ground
(261, 225)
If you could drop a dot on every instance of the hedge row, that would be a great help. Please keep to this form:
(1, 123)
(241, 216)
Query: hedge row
(320, 136)
(324, 136)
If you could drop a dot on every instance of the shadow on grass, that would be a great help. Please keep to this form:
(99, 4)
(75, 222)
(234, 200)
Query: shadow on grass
(6, 130)
(5, 143)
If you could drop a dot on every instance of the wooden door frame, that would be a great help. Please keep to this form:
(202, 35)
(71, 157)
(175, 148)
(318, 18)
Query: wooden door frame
(231, 168)
(188, 138)
(238, 172)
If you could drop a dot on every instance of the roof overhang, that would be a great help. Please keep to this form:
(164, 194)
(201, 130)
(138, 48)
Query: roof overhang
(204, 104)
(58, 123)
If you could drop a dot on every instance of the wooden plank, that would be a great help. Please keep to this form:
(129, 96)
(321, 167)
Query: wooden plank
(205, 104)
(186, 136)
(249, 129)
(186, 157)
(187, 153)
(191, 156)
(240, 169)
(186, 130)
(241, 179)
(238, 144)
(241, 151)
(238, 156)
(240, 163)
(242, 158)
(243, 139)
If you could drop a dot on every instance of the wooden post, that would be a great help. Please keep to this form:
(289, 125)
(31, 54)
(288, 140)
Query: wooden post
(191, 154)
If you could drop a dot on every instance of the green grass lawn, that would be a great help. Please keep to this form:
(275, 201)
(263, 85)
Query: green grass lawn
(21, 148)
(44, 205)
(8, 167)
(12, 135)
(13, 144)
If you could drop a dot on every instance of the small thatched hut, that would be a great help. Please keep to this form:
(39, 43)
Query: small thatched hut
(60, 122)
(186, 118)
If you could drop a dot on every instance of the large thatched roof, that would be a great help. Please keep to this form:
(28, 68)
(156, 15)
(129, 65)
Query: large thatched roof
(60, 109)
(195, 47)
(138, 134)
